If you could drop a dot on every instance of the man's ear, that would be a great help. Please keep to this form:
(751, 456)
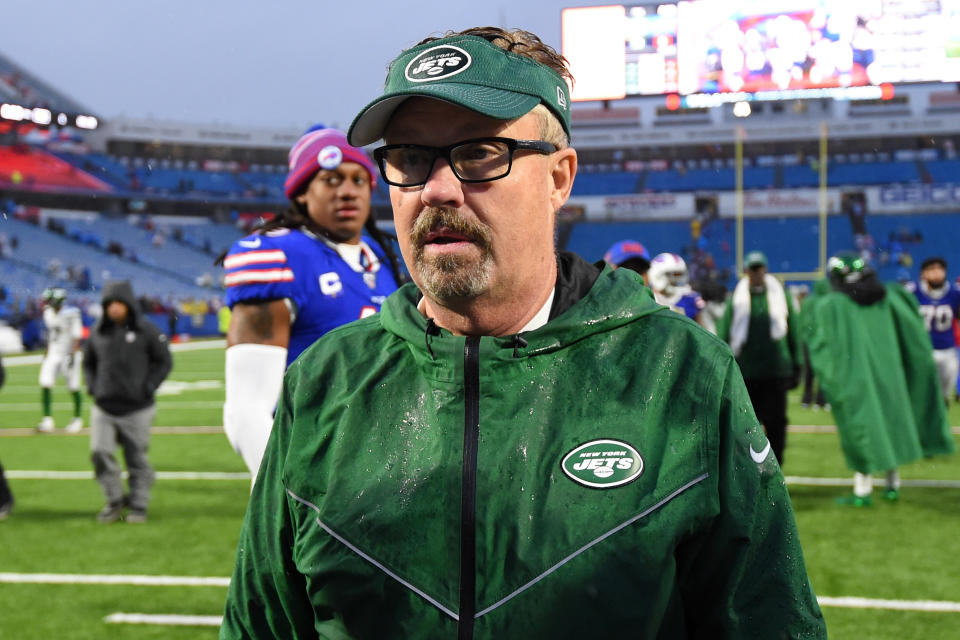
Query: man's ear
(562, 173)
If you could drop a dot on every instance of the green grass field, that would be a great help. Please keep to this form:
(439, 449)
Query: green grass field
(892, 551)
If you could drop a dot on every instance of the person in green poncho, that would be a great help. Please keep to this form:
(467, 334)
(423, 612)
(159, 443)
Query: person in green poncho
(871, 353)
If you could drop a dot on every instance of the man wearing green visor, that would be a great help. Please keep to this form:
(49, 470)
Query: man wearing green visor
(521, 444)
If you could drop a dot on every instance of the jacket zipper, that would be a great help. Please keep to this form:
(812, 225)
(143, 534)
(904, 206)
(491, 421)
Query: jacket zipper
(468, 488)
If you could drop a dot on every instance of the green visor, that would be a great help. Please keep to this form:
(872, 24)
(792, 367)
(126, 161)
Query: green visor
(470, 72)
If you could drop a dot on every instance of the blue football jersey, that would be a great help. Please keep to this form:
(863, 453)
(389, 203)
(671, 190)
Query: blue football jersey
(938, 308)
(326, 291)
(690, 303)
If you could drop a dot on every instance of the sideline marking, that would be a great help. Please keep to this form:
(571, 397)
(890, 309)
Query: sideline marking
(243, 475)
(14, 361)
(161, 475)
(86, 578)
(851, 602)
(170, 619)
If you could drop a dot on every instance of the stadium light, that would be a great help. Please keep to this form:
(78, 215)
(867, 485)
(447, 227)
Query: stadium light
(742, 109)
(41, 116)
(62, 119)
(11, 112)
(87, 122)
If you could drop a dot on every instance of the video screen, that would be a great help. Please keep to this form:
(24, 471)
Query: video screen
(651, 50)
(806, 44)
(731, 46)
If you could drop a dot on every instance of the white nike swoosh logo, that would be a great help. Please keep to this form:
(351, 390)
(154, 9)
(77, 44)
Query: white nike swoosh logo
(249, 244)
(760, 456)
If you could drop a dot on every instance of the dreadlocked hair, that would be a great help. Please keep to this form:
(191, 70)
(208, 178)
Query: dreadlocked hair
(296, 217)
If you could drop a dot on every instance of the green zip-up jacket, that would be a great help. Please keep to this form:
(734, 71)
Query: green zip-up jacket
(603, 474)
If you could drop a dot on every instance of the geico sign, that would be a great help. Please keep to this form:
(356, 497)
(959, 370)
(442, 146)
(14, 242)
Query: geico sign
(946, 193)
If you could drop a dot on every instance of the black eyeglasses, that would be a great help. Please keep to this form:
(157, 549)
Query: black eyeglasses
(476, 160)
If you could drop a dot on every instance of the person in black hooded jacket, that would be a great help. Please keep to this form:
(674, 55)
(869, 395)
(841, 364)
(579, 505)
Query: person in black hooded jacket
(125, 360)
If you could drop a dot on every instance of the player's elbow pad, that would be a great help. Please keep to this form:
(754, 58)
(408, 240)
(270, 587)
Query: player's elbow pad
(254, 377)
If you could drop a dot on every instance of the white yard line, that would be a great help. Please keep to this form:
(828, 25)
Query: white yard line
(29, 431)
(37, 358)
(846, 482)
(168, 619)
(851, 602)
(242, 475)
(162, 404)
(133, 580)
(161, 475)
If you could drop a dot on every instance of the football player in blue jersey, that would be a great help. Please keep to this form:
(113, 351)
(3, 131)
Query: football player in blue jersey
(668, 278)
(940, 306)
(320, 264)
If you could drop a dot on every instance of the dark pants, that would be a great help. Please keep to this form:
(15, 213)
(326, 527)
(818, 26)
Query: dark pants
(5, 495)
(132, 432)
(769, 399)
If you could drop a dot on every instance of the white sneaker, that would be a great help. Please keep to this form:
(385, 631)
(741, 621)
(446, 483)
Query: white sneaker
(74, 425)
(46, 425)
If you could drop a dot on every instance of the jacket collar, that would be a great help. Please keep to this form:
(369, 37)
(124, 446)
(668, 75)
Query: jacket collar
(588, 300)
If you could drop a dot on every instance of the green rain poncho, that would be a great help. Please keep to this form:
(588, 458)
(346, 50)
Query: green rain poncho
(875, 363)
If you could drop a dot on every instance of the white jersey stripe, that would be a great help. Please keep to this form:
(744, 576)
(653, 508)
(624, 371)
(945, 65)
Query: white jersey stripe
(254, 257)
(258, 275)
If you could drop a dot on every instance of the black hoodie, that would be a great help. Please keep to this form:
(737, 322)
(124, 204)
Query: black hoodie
(124, 364)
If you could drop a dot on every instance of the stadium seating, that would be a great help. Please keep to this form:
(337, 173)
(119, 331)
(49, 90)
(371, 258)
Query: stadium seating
(39, 248)
(791, 243)
(602, 184)
(863, 173)
(944, 170)
(39, 170)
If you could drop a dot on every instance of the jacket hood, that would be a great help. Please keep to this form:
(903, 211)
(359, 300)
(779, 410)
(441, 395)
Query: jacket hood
(122, 291)
(865, 292)
(617, 297)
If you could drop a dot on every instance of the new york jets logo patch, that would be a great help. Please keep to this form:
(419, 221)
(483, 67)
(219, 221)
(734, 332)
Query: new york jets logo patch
(603, 464)
(437, 63)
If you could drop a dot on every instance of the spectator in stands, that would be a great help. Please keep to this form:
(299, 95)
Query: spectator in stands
(465, 460)
(760, 323)
(320, 264)
(124, 361)
(939, 301)
(629, 254)
(872, 354)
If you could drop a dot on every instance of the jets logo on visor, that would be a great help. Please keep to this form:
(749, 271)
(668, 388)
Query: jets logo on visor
(330, 157)
(437, 63)
(602, 464)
